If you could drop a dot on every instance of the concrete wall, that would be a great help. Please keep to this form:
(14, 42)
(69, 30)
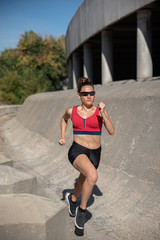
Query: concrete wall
(93, 16)
(134, 110)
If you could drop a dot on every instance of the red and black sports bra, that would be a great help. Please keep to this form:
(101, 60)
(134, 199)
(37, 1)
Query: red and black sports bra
(87, 126)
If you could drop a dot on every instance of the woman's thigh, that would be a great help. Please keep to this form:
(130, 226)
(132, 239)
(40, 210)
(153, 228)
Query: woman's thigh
(84, 165)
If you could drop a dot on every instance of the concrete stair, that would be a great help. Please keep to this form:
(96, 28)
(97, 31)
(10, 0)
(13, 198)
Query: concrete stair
(23, 215)
(15, 181)
(26, 216)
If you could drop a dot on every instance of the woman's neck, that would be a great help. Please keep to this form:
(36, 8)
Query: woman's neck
(86, 108)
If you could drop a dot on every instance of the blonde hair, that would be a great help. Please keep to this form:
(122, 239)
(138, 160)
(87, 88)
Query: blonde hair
(83, 81)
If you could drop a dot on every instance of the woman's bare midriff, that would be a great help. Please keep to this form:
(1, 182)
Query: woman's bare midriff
(88, 141)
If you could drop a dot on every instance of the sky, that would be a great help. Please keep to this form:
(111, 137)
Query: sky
(44, 17)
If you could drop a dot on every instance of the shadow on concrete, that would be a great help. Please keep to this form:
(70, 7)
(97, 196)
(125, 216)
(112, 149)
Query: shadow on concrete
(96, 191)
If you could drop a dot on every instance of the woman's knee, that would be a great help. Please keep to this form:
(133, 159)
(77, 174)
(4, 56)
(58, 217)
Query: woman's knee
(92, 177)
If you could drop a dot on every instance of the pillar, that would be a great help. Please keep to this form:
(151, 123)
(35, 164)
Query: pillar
(144, 44)
(107, 56)
(70, 73)
(87, 61)
(76, 69)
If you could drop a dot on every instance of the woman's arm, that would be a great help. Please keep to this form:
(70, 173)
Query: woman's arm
(63, 125)
(107, 123)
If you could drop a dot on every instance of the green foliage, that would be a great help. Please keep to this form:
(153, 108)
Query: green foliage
(36, 65)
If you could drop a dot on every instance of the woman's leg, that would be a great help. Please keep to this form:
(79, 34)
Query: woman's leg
(86, 168)
(78, 187)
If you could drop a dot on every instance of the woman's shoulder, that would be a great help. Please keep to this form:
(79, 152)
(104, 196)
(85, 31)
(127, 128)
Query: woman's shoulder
(69, 111)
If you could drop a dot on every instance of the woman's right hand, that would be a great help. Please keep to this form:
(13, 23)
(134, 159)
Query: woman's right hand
(62, 141)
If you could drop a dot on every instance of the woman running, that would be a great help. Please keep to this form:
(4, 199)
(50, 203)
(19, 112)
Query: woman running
(84, 154)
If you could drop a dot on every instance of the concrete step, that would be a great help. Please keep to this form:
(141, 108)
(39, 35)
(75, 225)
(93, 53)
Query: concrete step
(15, 181)
(26, 216)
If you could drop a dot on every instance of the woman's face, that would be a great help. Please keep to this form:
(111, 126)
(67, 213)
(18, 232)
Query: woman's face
(86, 100)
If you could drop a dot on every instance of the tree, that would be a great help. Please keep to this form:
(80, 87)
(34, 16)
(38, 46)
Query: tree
(36, 65)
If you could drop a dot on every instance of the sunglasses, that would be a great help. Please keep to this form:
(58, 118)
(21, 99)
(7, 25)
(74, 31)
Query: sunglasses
(85, 94)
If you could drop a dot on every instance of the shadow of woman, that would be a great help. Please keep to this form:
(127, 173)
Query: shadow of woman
(96, 191)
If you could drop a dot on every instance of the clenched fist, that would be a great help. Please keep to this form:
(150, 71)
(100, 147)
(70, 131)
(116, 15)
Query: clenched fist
(62, 141)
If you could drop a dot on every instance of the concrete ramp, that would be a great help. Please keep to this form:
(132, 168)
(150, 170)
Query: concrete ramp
(125, 203)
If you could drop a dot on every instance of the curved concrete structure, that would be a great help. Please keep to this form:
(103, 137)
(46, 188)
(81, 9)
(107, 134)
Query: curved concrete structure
(125, 202)
(128, 21)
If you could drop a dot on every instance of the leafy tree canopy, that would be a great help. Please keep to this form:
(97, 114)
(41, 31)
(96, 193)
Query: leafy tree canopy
(36, 65)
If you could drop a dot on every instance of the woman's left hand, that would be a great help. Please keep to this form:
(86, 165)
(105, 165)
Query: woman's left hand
(105, 118)
(62, 141)
(101, 106)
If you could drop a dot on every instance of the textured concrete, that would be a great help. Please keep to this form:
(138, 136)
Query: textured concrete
(15, 181)
(87, 21)
(5, 160)
(29, 217)
(125, 203)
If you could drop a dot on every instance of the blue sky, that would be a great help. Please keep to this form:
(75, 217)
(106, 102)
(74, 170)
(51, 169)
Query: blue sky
(44, 17)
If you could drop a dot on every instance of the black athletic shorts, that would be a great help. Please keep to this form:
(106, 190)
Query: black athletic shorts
(93, 154)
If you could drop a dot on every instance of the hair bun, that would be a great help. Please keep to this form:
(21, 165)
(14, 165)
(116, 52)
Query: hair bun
(83, 80)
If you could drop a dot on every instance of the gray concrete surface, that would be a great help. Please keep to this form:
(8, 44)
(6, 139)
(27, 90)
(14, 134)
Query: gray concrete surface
(125, 203)
(5, 160)
(15, 181)
(25, 216)
(87, 21)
